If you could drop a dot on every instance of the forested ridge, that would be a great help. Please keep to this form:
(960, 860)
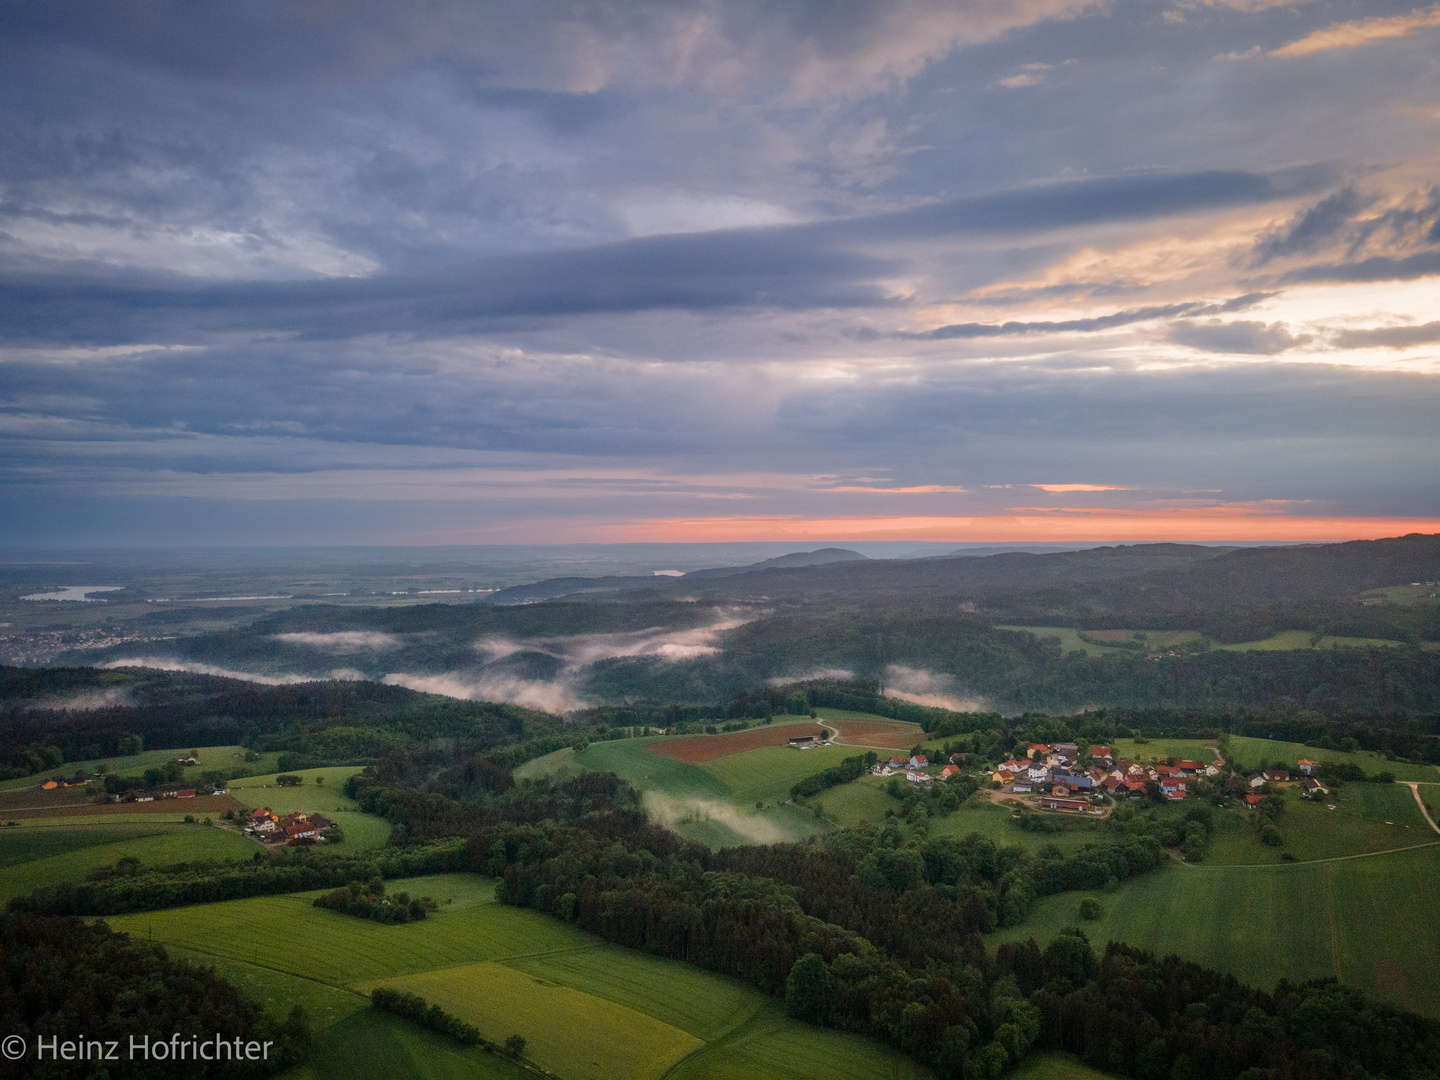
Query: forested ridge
(62, 979)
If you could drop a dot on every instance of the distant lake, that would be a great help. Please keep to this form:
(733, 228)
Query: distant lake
(75, 592)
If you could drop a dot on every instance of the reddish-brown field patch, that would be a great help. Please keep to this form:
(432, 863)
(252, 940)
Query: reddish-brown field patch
(881, 734)
(699, 749)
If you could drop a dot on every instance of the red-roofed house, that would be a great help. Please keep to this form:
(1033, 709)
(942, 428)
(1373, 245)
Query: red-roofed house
(1254, 800)
(948, 771)
(919, 761)
(1307, 767)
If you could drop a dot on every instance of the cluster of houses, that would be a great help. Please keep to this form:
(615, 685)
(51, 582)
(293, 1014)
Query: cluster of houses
(1309, 784)
(270, 828)
(914, 769)
(1054, 772)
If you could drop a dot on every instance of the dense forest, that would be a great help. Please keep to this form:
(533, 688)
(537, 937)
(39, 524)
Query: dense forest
(62, 980)
(337, 720)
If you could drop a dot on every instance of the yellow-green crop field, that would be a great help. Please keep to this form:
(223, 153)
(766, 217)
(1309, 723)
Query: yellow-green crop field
(585, 1007)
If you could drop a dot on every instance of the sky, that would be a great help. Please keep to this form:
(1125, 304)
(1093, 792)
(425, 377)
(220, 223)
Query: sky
(443, 272)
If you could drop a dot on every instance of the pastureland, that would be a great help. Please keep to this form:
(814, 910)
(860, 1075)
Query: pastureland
(1189, 749)
(1247, 752)
(360, 831)
(324, 960)
(1368, 921)
(48, 851)
(1054, 1067)
(229, 758)
(712, 804)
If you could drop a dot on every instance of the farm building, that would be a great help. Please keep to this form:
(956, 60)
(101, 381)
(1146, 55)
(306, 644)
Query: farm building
(1279, 775)
(804, 741)
(1069, 806)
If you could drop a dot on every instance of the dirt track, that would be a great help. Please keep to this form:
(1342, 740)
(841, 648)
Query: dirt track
(699, 749)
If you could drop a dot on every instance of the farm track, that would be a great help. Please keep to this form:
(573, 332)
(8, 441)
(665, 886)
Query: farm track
(1308, 862)
(1414, 786)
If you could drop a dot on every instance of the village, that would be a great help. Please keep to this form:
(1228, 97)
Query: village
(1052, 778)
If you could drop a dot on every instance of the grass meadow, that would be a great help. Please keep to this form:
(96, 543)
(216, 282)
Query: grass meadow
(360, 831)
(1368, 921)
(714, 803)
(1246, 752)
(1054, 1067)
(585, 1007)
(44, 851)
(211, 757)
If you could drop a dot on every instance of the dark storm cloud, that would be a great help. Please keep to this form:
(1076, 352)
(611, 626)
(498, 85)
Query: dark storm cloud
(1322, 222)
(782, 267)
(1252, 338)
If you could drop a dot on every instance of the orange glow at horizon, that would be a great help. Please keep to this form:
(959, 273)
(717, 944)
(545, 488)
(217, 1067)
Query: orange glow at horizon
(1235, 524)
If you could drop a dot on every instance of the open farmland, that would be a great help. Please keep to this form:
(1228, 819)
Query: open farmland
(36, 854)
(360, 831)
(699, 749)
(878, 734)
(647, 1014)
(1368, 921)
(1248, 752)
(230, 758)
(711, 804)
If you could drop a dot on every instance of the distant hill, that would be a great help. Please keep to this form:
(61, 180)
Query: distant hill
(554, 588)
(823, 557)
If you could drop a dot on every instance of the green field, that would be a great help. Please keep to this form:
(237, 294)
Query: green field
(1370, 921)
(586, 1007)
(1054, 1067)
(712, 804)
(1163, 640)
(1185, 749)
(1247, 753)
(865, 800)
(360, 831)
(45, 851)
(1366, 818)
(231, 758)
(1070, 640)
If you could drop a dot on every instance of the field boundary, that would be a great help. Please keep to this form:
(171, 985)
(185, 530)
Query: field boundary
(1308, 862)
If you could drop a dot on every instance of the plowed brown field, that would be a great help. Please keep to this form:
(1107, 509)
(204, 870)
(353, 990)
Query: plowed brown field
(880, 734)
(702, 748)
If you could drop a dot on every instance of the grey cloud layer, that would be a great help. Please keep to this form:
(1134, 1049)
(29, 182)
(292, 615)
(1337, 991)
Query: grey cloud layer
(646, 242)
